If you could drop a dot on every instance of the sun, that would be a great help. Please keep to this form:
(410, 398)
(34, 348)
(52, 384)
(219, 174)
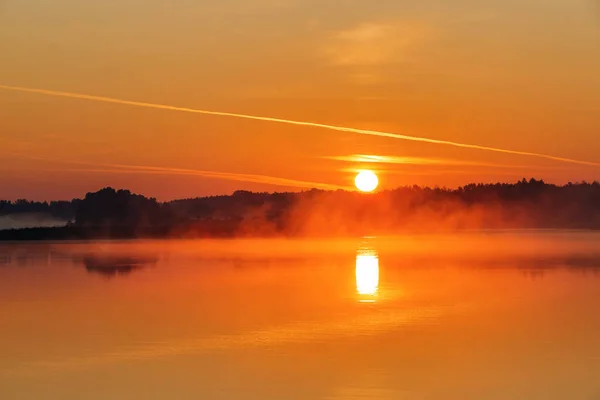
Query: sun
(366, 181)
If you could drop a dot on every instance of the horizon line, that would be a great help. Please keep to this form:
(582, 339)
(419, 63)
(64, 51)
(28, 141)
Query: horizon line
(334, 190)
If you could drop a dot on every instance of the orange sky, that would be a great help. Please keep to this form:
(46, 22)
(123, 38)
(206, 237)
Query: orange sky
(518, 75)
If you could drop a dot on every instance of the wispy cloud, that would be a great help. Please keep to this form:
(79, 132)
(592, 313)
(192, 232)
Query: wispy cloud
(369, 158)
(378, 159)
(448, 171)
(375, 43)
(254, 178)
(89, 167)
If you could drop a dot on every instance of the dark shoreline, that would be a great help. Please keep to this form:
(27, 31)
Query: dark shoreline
(119, 214)
(77, 233)
(71, 233)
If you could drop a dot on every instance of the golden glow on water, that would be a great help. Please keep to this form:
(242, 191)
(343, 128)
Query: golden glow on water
(367, 275)
(260, 319)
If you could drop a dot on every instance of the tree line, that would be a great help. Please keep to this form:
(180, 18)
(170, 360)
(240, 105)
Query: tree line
(524, 204)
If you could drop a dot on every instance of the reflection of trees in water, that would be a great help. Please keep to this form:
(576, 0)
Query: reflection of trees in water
(591, 269)
(533, 274)
(266, 262)
(531, 266)
(25, 259)
(105, 264)
(116, 265)
(5, 259)
(536, 267)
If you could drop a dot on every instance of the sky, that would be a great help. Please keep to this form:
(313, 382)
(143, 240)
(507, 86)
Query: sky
(517, 75)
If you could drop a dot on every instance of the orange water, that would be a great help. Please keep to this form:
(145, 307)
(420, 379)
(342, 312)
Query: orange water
(474, 316)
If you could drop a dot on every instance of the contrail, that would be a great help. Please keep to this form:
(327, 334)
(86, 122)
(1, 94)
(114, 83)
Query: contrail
(292, 122)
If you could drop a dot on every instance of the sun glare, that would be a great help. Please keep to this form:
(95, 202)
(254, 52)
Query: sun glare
(366, 181)
(367, 276)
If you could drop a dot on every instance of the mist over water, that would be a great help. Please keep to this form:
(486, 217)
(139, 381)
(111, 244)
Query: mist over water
(30, 220)
(477, 315)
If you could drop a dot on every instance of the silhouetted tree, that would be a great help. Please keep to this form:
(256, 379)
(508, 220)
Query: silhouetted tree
(112, 208)
(525, 204)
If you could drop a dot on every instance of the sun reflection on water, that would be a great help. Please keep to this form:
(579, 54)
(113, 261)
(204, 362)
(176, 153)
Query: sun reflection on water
(367, 275)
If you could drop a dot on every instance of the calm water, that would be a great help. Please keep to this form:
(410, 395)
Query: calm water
(475, 316)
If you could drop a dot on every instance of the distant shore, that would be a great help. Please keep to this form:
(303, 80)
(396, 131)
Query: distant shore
(121, 214)
(79, 233)
(82, 234)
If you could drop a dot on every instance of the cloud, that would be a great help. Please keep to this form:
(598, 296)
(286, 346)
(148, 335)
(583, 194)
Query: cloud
(375, 44)
(369, 158)
(254, 178)
(144, 169)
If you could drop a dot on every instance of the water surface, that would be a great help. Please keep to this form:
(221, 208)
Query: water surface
(511, 315)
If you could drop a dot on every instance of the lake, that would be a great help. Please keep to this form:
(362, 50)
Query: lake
(480, 315)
